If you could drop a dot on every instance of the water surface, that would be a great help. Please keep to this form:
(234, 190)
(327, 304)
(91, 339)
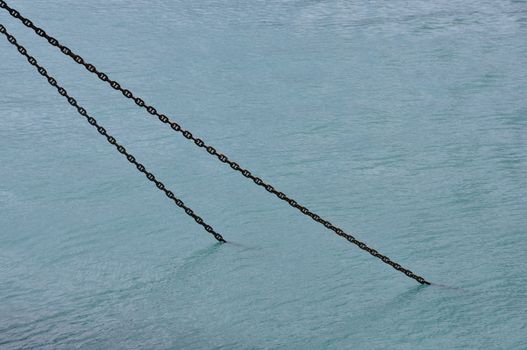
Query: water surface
(405, 123)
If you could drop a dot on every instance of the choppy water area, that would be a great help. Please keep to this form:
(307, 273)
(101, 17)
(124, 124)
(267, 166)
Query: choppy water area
(404, 123)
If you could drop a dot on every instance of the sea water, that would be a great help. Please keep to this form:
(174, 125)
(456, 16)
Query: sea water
(402, 122)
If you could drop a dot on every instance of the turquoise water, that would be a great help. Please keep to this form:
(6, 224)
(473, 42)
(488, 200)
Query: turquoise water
(404, 123)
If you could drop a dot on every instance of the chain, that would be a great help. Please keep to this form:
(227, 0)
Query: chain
(140, 167)
(211, 150)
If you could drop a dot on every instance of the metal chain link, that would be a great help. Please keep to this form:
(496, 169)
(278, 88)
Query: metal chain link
(140, 167)
(211, 150)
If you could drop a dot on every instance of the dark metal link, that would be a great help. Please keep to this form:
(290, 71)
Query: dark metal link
(175, 126)
(246, 173)
(53, 41)
(110, 139)
(152, 110)
(102, 76)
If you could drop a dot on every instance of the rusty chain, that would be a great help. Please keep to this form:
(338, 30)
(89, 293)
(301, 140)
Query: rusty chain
(140, 167)
(200, 143)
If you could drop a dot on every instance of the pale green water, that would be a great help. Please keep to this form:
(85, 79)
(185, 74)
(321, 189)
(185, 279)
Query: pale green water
(404, 123)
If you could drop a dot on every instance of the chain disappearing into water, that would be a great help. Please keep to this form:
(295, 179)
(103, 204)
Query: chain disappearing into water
(211, 150)
(140, 167)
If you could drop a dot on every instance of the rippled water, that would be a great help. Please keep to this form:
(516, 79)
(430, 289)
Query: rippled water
(404, 123)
